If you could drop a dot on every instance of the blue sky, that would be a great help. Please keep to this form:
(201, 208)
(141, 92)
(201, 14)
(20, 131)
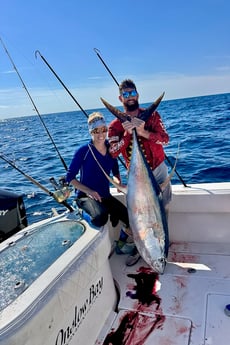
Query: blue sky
(180, 47)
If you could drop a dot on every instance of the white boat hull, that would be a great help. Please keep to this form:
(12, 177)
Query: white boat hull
(75, 301)
(59, 306)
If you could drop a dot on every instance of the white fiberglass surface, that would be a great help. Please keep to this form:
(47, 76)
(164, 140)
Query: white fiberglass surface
(23, 261)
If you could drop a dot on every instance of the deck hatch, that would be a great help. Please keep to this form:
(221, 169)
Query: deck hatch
(217, 322)
(22, 263)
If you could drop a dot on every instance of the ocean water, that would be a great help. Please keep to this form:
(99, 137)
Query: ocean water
(199, 125)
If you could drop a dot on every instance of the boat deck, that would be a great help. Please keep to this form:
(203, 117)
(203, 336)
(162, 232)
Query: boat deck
(185, 305)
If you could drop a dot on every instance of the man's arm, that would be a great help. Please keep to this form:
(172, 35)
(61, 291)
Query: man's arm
(153, 130)
(119, 139)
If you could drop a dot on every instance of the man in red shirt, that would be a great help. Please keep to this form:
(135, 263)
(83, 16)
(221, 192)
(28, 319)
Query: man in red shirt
(152, 136)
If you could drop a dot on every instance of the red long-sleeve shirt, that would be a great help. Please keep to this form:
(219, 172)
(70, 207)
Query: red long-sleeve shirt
(121, 141)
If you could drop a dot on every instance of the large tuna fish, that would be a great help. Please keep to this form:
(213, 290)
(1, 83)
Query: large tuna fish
(146, 212)
(144, 201)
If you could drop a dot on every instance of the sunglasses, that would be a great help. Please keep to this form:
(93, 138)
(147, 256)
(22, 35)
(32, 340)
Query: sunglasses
(99, 130)
(127, 94)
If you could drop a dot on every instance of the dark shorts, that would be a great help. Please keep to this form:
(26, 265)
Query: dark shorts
(100, 211)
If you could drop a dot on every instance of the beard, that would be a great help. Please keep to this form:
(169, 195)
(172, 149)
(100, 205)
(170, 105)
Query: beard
(132, 107)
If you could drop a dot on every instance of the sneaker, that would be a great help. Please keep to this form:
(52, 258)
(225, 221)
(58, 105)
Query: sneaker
(133, 258)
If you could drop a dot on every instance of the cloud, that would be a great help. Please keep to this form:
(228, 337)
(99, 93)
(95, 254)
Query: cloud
(182, 86)
(8, 72)
(223, 68)
(88, 96)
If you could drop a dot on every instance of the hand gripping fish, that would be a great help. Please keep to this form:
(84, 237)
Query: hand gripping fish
(144, 201)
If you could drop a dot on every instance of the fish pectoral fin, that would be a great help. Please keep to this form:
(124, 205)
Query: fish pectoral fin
(168, 179)
(165, 183)
(116, 112)
(122, 188)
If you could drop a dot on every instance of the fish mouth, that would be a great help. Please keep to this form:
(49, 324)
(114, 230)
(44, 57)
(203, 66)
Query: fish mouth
(159, 265)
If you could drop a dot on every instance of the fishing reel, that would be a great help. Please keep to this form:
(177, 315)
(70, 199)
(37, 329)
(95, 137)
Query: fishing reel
(62, 189)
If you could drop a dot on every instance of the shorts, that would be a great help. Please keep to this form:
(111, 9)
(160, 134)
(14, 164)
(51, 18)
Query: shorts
(161, 173)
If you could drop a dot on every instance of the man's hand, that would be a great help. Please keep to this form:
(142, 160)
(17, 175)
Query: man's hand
(139, 125)
(128, 126)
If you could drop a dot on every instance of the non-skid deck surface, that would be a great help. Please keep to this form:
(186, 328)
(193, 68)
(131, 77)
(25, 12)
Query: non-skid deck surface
(185, 305)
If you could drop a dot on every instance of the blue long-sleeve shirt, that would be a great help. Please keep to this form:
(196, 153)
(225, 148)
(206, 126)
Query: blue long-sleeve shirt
(91, 174)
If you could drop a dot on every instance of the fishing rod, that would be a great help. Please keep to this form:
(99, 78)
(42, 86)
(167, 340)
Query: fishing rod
(65, 87)
(99, 56)
(8, 54)
(59, 79)
(107, 68)
(59, 195)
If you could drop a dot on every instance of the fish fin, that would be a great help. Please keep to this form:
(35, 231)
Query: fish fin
(168, 179)
(118, 113)
(148, 111)
(124, 117)
(120, 187)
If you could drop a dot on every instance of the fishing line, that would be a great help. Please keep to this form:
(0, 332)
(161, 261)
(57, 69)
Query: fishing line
(65, 87)
(35, 108)
(97, 51)
(35, 182)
